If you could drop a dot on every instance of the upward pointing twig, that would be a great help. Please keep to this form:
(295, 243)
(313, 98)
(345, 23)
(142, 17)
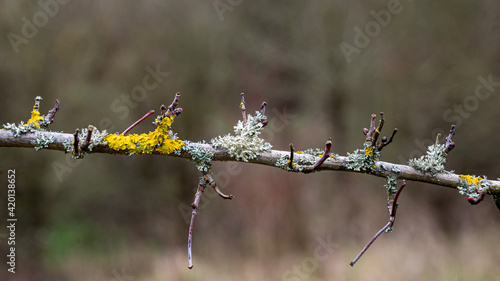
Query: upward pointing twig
(243, 108)
(138, 121)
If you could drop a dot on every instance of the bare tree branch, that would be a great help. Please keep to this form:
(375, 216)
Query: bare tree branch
(269, 158)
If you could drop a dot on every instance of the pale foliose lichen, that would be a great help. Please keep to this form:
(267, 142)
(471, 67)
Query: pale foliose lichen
(96, 138)
(245, 145)
(43, 141)
(433, 162)
(362, 159)
(68, 146)
(300, 164)
(395, 169)
(472, 186)
(200, 156)
(391, 186)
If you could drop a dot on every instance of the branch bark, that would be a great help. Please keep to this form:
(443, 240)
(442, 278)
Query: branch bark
(270, 158)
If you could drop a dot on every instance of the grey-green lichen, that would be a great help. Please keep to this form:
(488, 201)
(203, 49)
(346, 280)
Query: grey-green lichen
(472, 186)
(391, 186)
(43, 141)
(200, 156)
(68, 146)
(433, 162)
(362, 159)
(20, 129)
(96, 138)
(300, 164)
(395, 169)
(245, 145)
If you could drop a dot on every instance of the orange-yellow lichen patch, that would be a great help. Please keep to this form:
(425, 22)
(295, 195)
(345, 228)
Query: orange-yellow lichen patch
(368, 151)
(35, 118)
(157, 140)
(475, 181)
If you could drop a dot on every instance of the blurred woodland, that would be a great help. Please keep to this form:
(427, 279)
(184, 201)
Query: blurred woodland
(124, 218)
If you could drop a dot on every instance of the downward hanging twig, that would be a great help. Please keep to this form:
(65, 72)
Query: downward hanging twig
(195, 204)
(392, 206)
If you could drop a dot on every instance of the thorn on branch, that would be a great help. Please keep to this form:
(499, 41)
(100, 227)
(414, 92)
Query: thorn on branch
(243, 108)
(211, 181)
(201, 188)
(50, 115)
(392, 206)
(138, 121)
(325, 156)
(76, 151)
(86, 143)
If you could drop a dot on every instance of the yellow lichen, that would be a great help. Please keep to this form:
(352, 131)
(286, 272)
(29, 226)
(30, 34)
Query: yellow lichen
(35, 118)
(369, 151)
(157, 140)
(475, 181)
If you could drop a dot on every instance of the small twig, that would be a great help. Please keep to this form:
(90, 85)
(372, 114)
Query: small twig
(325, 156)
(379, 128)
(449, 143)
(370, 133)
(52, 113)
(196, 202)
(263, 112)
(263, 108)
(37, 102)
(211, 181)
(392, 206)
(292, 150)
(163, 109)
(86, 143)
(75, 142)
(172, 108)
(437, 139)
(386, 142)
(243, 108)
(138, 121)
(370, 243)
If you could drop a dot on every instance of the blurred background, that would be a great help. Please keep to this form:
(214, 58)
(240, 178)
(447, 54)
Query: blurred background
(322, 66)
